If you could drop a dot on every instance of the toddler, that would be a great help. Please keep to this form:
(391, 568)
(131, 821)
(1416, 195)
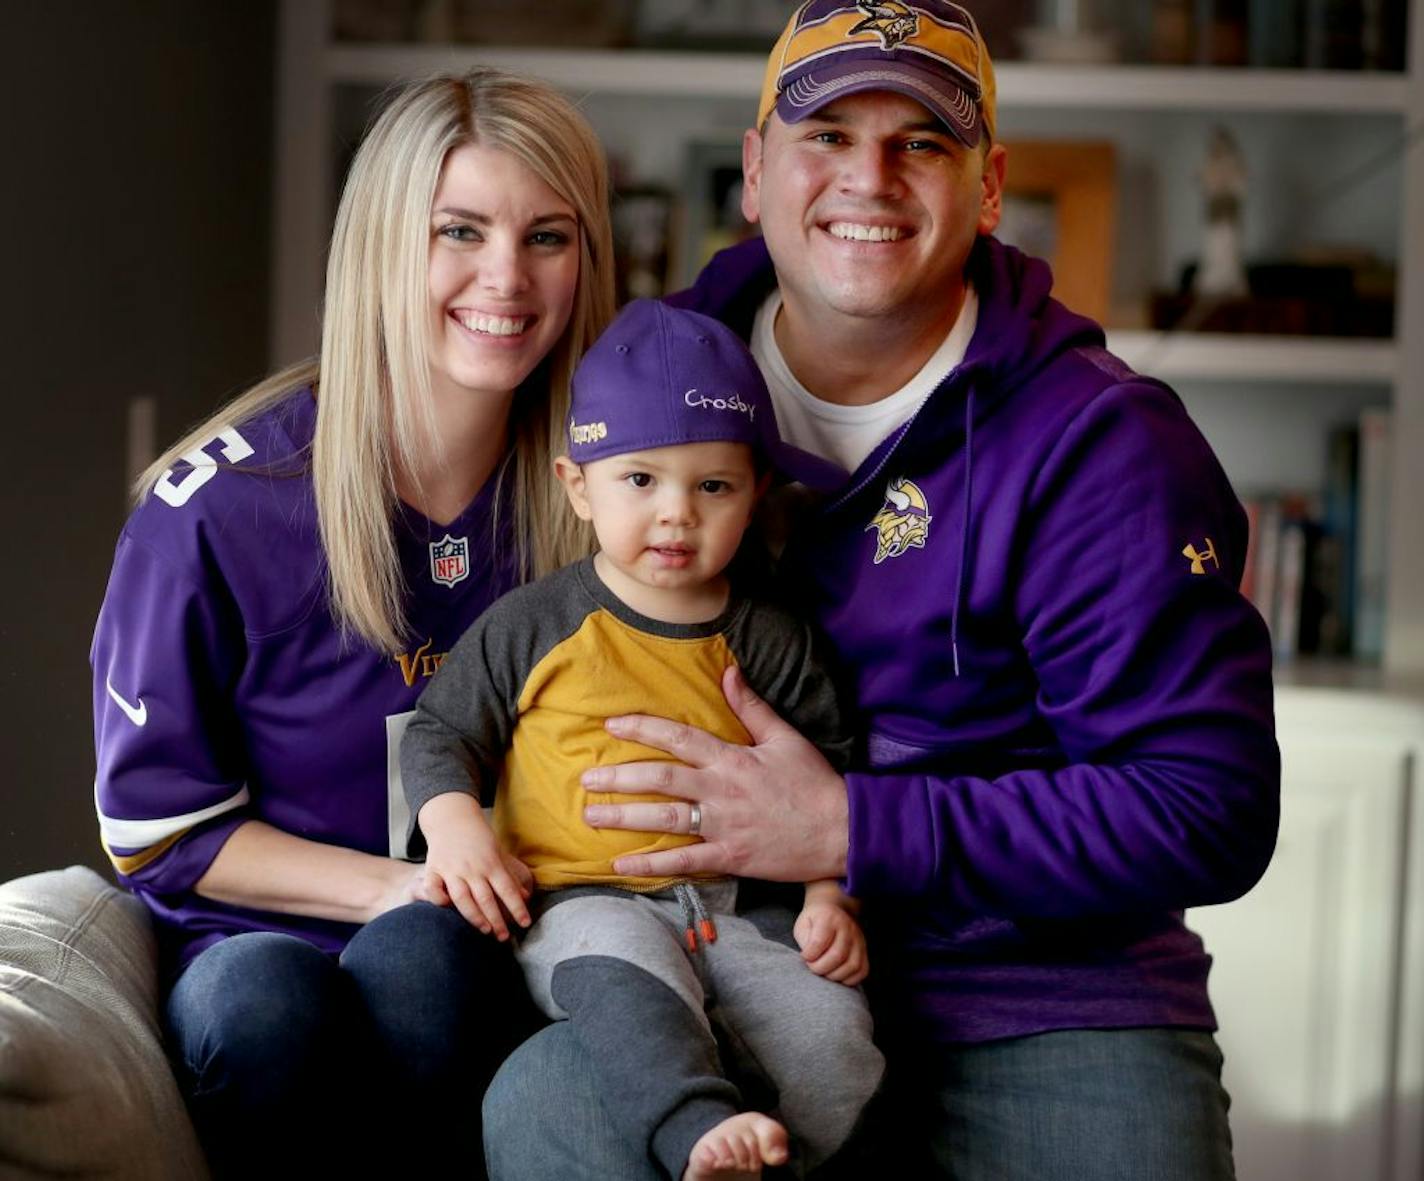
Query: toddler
(672, 439)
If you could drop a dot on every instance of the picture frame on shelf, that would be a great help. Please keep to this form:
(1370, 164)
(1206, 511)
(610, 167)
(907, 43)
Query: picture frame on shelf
(1060, 204)
(643, 241)
(711, 203)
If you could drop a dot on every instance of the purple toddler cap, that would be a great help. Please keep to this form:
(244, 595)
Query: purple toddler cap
(661, 376)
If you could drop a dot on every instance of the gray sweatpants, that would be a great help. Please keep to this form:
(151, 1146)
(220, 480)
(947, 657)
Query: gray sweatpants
(616, 965)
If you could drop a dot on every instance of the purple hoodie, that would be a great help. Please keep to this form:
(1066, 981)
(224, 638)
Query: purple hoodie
(1066, 702)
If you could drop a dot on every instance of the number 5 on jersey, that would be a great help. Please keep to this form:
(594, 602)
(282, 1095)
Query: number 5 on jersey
(235, 449)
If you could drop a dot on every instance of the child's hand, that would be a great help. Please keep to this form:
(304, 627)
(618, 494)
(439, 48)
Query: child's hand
(831, 941)
(466, 868)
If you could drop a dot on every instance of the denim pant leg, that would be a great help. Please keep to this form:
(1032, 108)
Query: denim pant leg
(445, 1005)
(544, 1120)
(263, 1034)
(1077, 1105)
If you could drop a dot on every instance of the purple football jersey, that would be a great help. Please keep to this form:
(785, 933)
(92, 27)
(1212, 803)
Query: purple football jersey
(224, 690)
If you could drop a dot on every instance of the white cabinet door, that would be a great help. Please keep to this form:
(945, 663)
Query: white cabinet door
(1306, 974)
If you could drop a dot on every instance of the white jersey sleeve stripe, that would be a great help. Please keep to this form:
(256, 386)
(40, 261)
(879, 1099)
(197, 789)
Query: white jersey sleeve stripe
(139, 834)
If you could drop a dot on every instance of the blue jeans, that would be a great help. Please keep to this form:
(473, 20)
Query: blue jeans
(372, 1063)
(1079, 1105)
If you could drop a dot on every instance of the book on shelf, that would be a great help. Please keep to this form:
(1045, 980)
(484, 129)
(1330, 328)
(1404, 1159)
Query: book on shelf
(1334, 570)
(1275, 32)
(1222, 32)
(1284, 619)
(1324, 34)
(1316, 559)
(1258, 583)
(1372, 542)
(1297, 571)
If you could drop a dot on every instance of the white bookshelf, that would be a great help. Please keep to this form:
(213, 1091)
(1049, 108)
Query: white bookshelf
(313, 69)
(1202, 89)
(737, 76)
(1209, 356)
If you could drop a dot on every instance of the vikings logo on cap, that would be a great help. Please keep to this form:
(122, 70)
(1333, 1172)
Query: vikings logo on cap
(903, 521)
(893, 21)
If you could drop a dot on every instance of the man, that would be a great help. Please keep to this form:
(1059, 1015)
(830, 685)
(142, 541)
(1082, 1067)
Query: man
(1030, 579)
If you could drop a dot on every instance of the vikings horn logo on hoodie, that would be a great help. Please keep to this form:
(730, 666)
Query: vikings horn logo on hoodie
(903, 521)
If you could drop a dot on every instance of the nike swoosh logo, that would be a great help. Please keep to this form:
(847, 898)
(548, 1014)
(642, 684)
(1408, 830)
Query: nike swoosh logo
(137, 714)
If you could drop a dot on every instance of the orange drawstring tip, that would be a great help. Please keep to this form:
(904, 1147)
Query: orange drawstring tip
(691, 937)
(709, 932)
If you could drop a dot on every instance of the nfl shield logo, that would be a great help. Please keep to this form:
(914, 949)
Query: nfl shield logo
(449, 559)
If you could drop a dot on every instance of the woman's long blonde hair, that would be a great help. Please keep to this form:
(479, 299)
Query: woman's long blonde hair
(374, 406)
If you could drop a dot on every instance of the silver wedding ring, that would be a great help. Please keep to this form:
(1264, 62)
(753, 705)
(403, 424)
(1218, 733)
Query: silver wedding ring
(694, 820)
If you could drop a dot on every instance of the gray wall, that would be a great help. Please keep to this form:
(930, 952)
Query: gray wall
(135, 206)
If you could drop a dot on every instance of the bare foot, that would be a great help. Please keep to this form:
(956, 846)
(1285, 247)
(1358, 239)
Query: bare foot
(737, 1147)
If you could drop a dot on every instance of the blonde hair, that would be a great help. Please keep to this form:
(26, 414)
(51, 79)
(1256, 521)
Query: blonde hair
(374, 405)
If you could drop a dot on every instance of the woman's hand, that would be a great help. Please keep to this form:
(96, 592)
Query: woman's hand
(265, 868)
(831, 940)
(405, 883)
(775, 810)
(466, 868)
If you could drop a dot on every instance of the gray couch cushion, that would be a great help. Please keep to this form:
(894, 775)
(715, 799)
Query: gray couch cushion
(85, 1089)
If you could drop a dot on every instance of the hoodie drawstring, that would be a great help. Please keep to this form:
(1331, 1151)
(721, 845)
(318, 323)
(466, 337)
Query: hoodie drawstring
(695, 918)
(964, 531)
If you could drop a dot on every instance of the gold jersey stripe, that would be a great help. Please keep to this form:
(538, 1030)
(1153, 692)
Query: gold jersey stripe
(136, 861)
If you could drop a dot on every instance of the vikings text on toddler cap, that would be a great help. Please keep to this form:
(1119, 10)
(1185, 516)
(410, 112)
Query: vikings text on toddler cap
(928, 50)
(662, 376)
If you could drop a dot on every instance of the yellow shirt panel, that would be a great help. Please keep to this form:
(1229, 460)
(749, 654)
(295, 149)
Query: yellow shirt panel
(604, 669)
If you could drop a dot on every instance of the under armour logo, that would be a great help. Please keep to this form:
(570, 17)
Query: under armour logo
(1199, 560)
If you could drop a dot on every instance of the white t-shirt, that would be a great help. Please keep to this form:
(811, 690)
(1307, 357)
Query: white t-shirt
(847, 434)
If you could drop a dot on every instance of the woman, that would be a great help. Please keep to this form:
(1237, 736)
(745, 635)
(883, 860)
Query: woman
(293, 572)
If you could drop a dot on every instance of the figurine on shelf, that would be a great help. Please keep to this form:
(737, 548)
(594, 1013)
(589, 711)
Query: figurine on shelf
(1223, 179)
(1069, 31)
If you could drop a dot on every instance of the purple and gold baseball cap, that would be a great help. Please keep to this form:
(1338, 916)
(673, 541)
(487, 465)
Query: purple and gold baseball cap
(928, 50)
(660, 376)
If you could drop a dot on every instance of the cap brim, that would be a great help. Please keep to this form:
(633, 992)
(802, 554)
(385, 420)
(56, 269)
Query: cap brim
(955, 107)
